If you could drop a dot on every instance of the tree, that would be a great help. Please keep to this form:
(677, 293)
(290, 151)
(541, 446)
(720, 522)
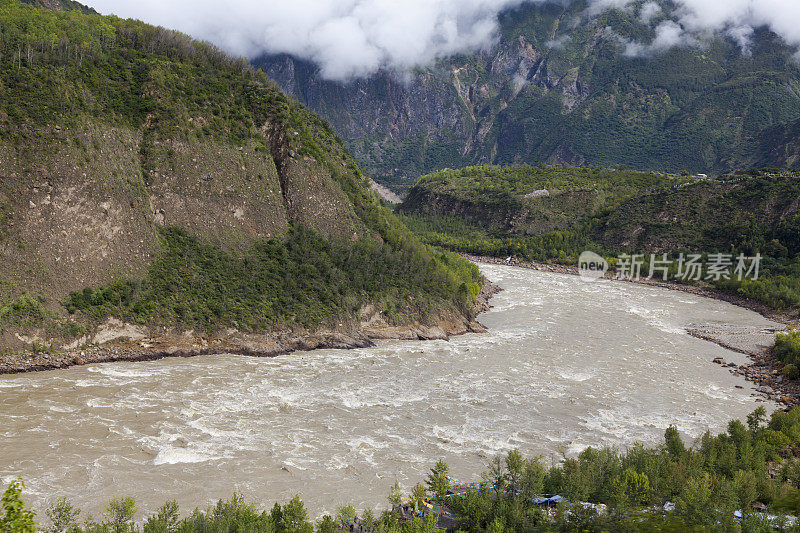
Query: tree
(62, 516)
(515, 466)
(326, 525)
(418, 495)
(276, 515)
(120, 512)
(368, 519)
(437, 481)
(295, 517)
(396, 494)
(497, 472)
(755, 420)
(165, 520)
(16, 518)
(630, 489)
(695, 504)
(345, 516)
(746, 488)
(738, 433)
(674, 443)
(532, 482)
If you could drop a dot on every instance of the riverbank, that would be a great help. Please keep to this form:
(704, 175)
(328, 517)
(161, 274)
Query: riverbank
(755, 342)
(116, 341)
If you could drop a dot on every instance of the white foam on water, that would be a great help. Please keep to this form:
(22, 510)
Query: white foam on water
(573, 375)
(171, 456)
(610, 368)
(114, 371)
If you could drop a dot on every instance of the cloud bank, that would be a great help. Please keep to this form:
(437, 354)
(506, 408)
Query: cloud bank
(346, 38)
(696, 20)
(352, 38)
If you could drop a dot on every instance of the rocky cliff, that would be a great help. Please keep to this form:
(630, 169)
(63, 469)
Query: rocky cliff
(562, 88)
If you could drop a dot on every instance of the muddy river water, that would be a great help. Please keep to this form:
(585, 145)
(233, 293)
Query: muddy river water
(566, 364)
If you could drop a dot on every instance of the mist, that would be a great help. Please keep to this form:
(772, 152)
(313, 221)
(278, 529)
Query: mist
(355, 38)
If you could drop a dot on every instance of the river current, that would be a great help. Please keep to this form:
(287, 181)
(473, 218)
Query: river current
(566, 364)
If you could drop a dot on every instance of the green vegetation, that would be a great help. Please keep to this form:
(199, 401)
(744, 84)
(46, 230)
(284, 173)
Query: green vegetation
(751, 463)
(300, 279)
(489, 211)
(25, 311)
(480, 184)
(16, 518)
(787, 350)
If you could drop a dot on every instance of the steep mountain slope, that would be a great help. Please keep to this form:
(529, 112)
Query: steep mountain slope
(152, 178)
(561, 88)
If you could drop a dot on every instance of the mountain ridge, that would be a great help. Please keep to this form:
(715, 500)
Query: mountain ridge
(558, 91)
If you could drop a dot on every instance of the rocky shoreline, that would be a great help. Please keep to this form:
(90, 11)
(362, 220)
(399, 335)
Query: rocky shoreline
(132, 343)
(757, 343)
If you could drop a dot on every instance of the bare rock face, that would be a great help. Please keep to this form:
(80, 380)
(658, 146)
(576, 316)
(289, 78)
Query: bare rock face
(82, 218)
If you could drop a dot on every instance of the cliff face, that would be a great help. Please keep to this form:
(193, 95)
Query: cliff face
(558, 88)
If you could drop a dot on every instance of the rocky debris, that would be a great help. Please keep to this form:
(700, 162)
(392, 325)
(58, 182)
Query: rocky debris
(719, 361)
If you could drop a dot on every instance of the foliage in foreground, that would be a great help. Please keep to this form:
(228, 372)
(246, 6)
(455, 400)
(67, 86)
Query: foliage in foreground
(754, 462)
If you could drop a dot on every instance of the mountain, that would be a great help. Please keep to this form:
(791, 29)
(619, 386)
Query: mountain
(559, 88)
(151, 180)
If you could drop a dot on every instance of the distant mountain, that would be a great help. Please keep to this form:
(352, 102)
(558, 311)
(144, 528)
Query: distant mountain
(559, 88)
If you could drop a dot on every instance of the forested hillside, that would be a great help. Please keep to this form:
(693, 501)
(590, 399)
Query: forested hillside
(552, 214)
(153, 178)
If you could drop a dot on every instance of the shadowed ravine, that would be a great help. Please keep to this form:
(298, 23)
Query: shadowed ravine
(566, 364)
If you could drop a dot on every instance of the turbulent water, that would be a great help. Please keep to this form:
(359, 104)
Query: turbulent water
(566, 364)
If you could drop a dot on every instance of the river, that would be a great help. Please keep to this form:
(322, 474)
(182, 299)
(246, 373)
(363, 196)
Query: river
(566, 364)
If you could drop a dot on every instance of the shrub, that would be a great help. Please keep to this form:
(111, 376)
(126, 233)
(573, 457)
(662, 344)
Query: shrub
(787, 347)
(25, 311)
(791, 371)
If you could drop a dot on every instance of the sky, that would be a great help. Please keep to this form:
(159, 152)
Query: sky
(354, 38)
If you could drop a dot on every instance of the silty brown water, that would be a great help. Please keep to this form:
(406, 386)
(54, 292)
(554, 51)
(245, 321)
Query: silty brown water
(566, 364)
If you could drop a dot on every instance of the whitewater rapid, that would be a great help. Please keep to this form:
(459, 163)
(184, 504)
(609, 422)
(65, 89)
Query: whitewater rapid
(566, 364)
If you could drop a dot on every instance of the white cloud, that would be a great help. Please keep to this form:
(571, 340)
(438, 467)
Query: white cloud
(346, 37)
(697, 20)
(649, 11)
(558, 43)
(350, 38)
(742, 35)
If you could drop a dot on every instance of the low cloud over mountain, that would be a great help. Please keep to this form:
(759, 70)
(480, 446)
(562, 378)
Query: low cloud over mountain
(351, 38)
